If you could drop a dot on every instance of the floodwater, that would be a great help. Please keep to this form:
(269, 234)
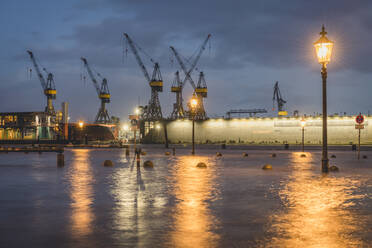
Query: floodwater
(231, 203)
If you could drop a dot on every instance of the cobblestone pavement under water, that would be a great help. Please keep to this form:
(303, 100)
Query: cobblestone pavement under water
(231, 203)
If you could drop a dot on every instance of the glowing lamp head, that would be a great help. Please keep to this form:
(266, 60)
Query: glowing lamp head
(125, 127)
(303, 123)
(137, 111)
(157, 126)
(81, 124)
(323, 48)
(193, 102)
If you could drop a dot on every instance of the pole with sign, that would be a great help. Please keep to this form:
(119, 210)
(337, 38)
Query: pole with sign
(359, 120)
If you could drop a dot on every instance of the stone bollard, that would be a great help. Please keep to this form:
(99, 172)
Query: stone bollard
(218, 154)
(245, 154)
(273, 155)
(201, 165)
(303, 155)
(267, 167)
(174, 151)
(365, 156)
(167, 153)
(108, 163)
(334, 168)
(60, 159)
(148, 164)
(333, 156)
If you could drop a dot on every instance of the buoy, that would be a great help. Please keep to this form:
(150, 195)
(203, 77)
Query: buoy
(218, 154)
(245, 154)
(108, 163)
(333, 156)
(167, 153)
(365, 156)
(201, 165)
(334, 168)
(267, 167)
(148, 164)
(303, 155)
(273, 155)
(143, 153)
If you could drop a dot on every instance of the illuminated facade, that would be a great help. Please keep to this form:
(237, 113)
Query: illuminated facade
(27, 126)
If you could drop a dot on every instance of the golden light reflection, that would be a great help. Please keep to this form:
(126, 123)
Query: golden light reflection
(193, 220)
(81, 193)
(317, 209)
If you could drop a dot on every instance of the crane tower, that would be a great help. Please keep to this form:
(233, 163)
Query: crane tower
(277, 96)
(152, 111)
(48, 86)
(199, 91)
(103, 93)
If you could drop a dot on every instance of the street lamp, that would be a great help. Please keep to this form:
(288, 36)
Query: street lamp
(81, 124)
(193, 105)
(323, 48)
(303, 123)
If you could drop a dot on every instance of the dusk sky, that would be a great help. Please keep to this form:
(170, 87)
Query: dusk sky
(253, 45)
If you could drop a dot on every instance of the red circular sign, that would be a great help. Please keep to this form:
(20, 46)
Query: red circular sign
(359, 119)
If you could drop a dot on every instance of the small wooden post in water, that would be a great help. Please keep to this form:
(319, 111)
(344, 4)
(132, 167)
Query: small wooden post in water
(138, 154)
(60, 159)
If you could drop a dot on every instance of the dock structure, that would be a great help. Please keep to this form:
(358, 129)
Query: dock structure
(40, 149)
(250, 112)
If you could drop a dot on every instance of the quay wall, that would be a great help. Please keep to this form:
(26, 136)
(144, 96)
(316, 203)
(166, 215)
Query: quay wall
(341, 131)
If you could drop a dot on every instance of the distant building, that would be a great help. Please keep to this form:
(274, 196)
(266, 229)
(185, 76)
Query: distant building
(27, 126)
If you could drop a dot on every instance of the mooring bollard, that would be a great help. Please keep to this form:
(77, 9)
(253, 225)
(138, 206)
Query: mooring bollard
(60, 159)
(174, 151)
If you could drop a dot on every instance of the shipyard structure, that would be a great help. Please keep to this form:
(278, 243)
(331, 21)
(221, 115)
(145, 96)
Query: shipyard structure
(263, 131)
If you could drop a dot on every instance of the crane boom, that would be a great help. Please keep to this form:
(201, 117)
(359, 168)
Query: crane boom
(40, 75)
(183, 67)
(96, 85)
(192, 67)
(138, 58)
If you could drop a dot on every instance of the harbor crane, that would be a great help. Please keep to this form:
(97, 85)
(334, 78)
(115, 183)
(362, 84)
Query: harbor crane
(48, 86)
(277, 96)
(178, 111)
(103, 93)
(151, 112)
(200, 90)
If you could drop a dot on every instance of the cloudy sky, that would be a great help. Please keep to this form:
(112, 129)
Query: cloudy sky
(253, 44)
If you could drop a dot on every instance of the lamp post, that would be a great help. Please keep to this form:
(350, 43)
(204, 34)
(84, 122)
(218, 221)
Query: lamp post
(193, 104)
(303, 123)
(323, 47)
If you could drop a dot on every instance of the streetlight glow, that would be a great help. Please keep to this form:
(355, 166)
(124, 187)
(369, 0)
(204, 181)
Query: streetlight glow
(193, 102)
(323, 48)
(303, 123)
(81, 124)
(125, 127)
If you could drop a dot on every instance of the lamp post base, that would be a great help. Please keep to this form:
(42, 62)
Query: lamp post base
(325, 165)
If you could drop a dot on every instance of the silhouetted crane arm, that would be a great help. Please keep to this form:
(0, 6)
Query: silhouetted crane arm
(202, 48)
(91, 75)
(138, 58)
(40, 75)
(183, 67)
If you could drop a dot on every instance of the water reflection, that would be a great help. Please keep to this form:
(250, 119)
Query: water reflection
(193, 220)
(139, 200)
(81, 193)
(317, 209)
